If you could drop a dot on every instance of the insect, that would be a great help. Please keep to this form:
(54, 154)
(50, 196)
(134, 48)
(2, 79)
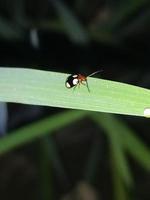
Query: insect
(77, 79)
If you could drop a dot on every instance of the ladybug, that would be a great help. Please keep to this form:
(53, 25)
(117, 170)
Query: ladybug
(77, 79)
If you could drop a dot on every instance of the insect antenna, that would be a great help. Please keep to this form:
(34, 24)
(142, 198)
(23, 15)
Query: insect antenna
(95, 73)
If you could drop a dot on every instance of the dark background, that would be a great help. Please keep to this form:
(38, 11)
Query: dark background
(113, 35)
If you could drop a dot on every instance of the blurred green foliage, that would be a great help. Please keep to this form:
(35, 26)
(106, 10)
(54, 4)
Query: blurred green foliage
(121, 139)
(104, 21)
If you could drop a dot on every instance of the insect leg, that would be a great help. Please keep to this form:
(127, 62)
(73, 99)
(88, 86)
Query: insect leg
(87, 86)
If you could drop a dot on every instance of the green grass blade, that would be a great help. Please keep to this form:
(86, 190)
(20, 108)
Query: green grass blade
(115, 139)
(50, 161)
(133, 145)
(48, 88)
(123, 140)
(125, 10)
(119, 189)
(9, 31)
(92, 164)
(38, 129)
(53, 154)
(45, 172)
(75, 30)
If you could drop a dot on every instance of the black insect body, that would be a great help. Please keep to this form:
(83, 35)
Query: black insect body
(77, 79)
